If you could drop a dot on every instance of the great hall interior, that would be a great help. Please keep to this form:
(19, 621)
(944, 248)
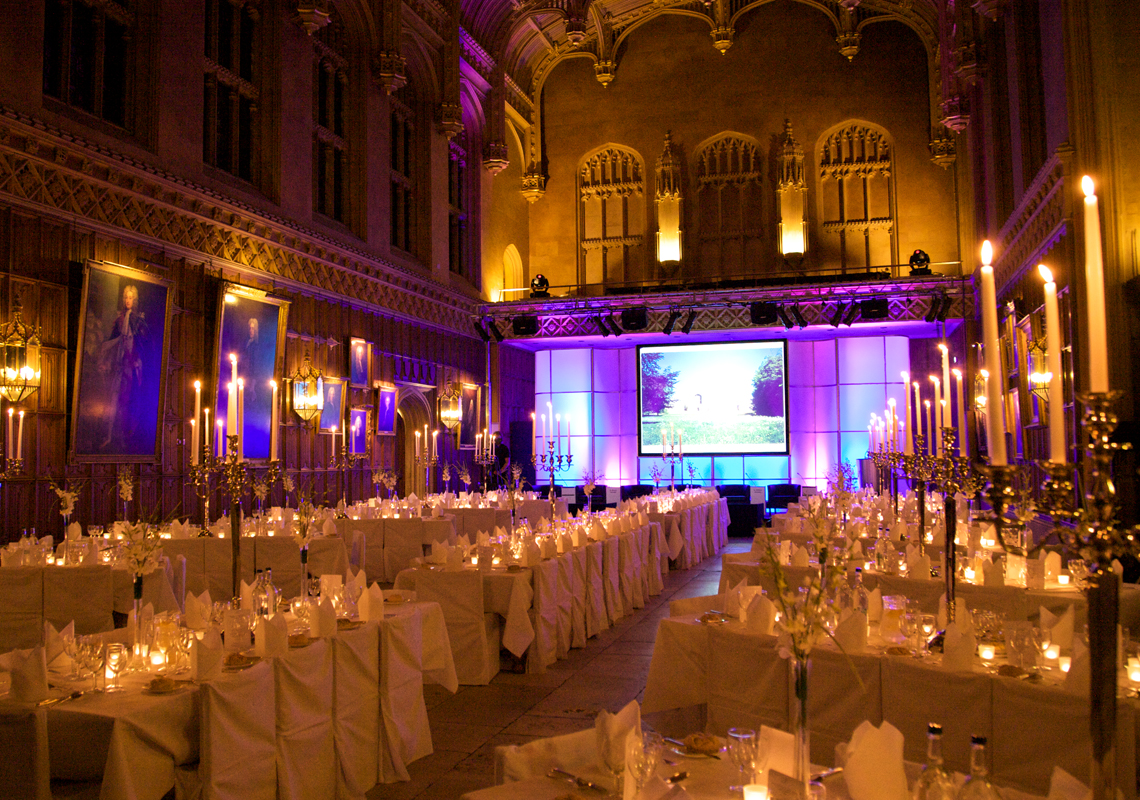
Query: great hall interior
(504, 250)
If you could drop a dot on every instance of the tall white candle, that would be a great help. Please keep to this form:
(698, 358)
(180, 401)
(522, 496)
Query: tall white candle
(417, 444)
(273, 423)
(1057, 450)
(221, 447)
(871, 434)
(544, 436)
(333, 443)
(917, 422)
(1094, 288)
(231, 398)
(549, 431)
(207, 431)
(908, 447)
(936, 444)
(963, 437)
(680, 444)
(20, 437)
(558, 432)
(929, 428)
(8, 440)
(195, 444)
(434, 440)
(995, 416)
(569, 441)
(241, 420)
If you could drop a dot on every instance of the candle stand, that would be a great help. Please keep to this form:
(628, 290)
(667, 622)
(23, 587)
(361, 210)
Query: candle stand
(235, 473)
(12, 468)
(342, 463)
(485, 458)
(426, 462)
(671, 460)
(553, 464)
(200, 475)
(918, 469)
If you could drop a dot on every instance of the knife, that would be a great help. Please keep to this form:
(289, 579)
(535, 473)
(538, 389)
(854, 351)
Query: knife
(51, 701)
(577, 781)
(819, 776)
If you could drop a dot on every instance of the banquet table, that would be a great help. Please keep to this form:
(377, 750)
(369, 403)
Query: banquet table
(741, 679)
(1015, 601)
(473, 521)
(390, 543)
(534, 510)
(138, 744)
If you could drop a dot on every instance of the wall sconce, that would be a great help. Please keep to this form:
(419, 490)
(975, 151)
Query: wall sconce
(1039, 374)
(980, 382)
(19, 358)
(450, 407)
(668, 205)
(308, 392)
(791, 196)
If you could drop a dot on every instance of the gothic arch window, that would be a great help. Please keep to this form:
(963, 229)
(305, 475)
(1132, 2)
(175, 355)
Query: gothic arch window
(406, 167)
(731, 236)
(232, 91)
(331, 179)
(857, 197)
(464, 154)
(611, 216)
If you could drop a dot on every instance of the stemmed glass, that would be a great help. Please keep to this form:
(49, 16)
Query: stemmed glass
(165, 635)
(116, 660)
(93, 655)
(643, 756)
(909, 626)
(742, 750)
(613, 757)
(928, 624)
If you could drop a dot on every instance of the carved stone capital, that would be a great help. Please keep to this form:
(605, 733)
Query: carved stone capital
(389, 69)
(450, 119)
(722, 37)
(849, 44)
(991, 9)
(605, 72)
(312, 16)
(850, 5)
(533, 184)
(943, 152)
(497, 158)
(966, 64)
(955, 113)
(575, 31)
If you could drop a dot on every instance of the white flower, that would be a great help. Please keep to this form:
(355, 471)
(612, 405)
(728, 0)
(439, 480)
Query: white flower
(126, 486)
(287, 482)
(142, 548)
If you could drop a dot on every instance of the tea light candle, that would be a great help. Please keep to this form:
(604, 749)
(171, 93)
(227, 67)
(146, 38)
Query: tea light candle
(755, 791)
(1134, 674)
(969, 573)
(1065, 662)
(986, 651)
(1053, 652)
(156, 659)
(1063, 579)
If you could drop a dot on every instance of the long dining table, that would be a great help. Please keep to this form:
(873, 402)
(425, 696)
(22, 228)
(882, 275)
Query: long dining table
(360, 695)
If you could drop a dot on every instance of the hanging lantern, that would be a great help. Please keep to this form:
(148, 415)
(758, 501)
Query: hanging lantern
(308, 392)
(19, 358)
(450, 407)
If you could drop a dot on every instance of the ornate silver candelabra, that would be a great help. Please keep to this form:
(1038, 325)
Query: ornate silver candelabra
(554, 463)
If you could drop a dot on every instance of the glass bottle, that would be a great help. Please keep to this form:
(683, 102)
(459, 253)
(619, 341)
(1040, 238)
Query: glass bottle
(257, 592)
(272, 593)
(933, 783)
(977, 786)
(861, 600)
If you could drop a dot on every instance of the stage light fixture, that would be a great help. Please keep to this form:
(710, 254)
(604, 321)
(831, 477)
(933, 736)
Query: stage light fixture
(634, 319)
(785, 320)
(674, 315)
(540, 286)
(799, 317)
(494, 329)
(764, 313)
(688, 326)
(479, 329)
(525, 326)
(837, 317)
(874, 309)
(944, 311)
(919, 264)
(600, 321)
(614, 326)
(935, 305)
(852, 314)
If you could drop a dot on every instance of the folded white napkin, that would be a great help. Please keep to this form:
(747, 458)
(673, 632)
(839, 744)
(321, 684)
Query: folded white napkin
(29, 674)
(549, 546)
(732, 599)
(237, 632)
(1118, 568)
(55, 644)
(993, 573)
(1052, 566)
(74, 532)
(322, 620)
(800, 557)
(851, 632)
(874, 766)
(90, 553)
(329, 528)
(331, 584)
(246, 596)
(499, 532)
(781, 749)
(464, 542)
(875, 605)
(271, 637)
(454, 559)
(412, 498)
(483, 539)
(532, 554)
(1077, 679)
(198, 610)
(958, 647)
(759, 615)
(355, 584)
(611, 731)
(206, 656)
(370, 606)
(438, 554)
(597, 532)
(1063, 786)
(436, 512)
(898, 530)
(919, 567)
(1060, 626)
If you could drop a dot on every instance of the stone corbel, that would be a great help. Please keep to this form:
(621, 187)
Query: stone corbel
(496, 158)
(848, 37)
(955, 113)
(991, 9)
(605, 72)
(312, 16)
(450, 119)
(533, 183)
(722, 30)
(605, 68)
(389, 69)
(942, 151)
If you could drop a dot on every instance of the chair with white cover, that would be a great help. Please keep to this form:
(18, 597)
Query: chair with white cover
(628, 583)
(356, 710)
(405, 734)
(565, 590)
(694, 606)
(747, 681)
(544, 651)
(611, 575)
(21, 607)
(280, 554)
(237, 737)
(475, 635)
(597, 620)
(834, 710)
(306, 757)
(84, 593)
(403, 541)
(578, 600)
(24, 769)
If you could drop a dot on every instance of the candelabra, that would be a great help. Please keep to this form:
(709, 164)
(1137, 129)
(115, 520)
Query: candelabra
(341, 463)
(554, 463)
(918, 469)
(671, 459)
(880, 458)
(485, 458)
(952, 474)
(200, 475)
(12, 468)
(235, 476)
(427, 462)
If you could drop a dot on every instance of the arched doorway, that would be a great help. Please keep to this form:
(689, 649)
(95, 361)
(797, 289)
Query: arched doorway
(413, 412)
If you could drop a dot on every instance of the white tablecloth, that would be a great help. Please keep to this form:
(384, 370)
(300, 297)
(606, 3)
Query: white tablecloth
(391, 543)
(473, 521)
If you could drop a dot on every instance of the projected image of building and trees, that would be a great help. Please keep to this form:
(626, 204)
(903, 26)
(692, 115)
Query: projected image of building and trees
(713, 398)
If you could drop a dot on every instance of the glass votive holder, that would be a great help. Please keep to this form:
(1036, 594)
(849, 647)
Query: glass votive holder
(755, 791)
(1134, 674)
(1053, 652)
(1064, 662)
(1063, 578)
(986, 652)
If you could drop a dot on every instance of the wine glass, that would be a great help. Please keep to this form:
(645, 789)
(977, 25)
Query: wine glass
(742, 751)
(613, 757)
(93, 653)
(909, 626)
(643, 756)
(928, 624)
(165, 634)
(116, 661)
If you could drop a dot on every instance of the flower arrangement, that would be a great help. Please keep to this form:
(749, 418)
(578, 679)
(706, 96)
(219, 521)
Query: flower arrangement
(67, 499)
(692, 472)
(288, 485)
(465, 476)
(260, 488)
(126, 484)
(391, 478)
(656, 473)
(445, 475)
(142, 548)
(306, 524)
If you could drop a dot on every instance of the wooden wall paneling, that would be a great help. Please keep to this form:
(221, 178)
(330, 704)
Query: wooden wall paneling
(51, 398)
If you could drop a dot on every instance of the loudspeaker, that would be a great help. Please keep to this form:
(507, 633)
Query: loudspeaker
(634, 319)
(525, 326)
(874, 309)
(764, 313)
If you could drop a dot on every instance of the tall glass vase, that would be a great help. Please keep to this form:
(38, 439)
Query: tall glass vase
(134, 634)
(802, 753)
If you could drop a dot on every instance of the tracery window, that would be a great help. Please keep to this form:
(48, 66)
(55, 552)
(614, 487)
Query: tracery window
(232, 95)
(857, 196)
(731, 234)
(404, 168)
(458, 207)
(611, 216)
(88, 51)
(330, 137)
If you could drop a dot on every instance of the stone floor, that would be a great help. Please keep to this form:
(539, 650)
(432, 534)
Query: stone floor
(607, 673)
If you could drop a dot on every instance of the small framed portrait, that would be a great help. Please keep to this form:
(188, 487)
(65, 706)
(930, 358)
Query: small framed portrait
(468, 416)
(359, 363)
(358, 431)
(120, 365)
(386, 411)
(250, 348)
(332, 415)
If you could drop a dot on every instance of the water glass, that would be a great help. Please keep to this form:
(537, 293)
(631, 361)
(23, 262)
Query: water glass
(643, 756)
(742, 751)
(117, 657)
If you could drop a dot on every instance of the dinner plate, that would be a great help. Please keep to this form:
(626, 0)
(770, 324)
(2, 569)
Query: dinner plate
(238, 662)
(348, 624)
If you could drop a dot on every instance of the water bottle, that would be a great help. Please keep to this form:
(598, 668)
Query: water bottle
(977, 786)
(272, 593)
(861, 600)
(933, 783)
